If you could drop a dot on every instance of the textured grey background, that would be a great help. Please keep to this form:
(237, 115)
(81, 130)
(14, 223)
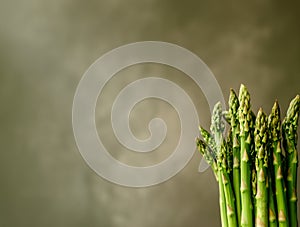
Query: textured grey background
(45, 47)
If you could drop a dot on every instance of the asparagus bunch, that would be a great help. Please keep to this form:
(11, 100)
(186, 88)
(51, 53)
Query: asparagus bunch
(255, 164)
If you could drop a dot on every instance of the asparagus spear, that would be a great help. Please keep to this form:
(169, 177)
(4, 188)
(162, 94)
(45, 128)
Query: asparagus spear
(222, 202)
(273, 221)
(245, 139)
(272, 206)
(254, 190)
(289, 128)
(261, 139)
(217, 128)
(252, 161)
(228, 191)
(274, 126)
(234, 122)
(209, 155)
(209, 151)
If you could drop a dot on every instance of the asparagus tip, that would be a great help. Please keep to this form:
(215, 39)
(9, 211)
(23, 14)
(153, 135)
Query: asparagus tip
(274, 122)
(217, 125)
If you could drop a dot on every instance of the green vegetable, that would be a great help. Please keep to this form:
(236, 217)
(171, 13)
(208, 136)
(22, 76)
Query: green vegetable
(234, 122)
(274, 125)
(289, 128)
(261, 139)
(245, 140)
(217, 128)
(257, 178)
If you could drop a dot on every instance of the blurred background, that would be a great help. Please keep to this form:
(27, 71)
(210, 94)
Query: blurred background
(46, 46)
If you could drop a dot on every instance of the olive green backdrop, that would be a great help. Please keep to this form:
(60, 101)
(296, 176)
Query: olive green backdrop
(46, 46)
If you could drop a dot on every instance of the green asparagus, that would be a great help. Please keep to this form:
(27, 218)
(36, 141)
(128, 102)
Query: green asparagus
(255, 162)
(289, 128)
(261, 139)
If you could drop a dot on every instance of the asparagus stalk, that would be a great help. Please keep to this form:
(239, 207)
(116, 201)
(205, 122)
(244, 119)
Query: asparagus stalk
(254, 191)
(252, 161)
(289, 128)
(209, 155)
(222, 201)
(274, 126)
(234, 122)
(244, 115)
(217, 128)
(229, 156)
(228, 191)
(209, 151)
(273, 221)
(272, 206)
(261, 139)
